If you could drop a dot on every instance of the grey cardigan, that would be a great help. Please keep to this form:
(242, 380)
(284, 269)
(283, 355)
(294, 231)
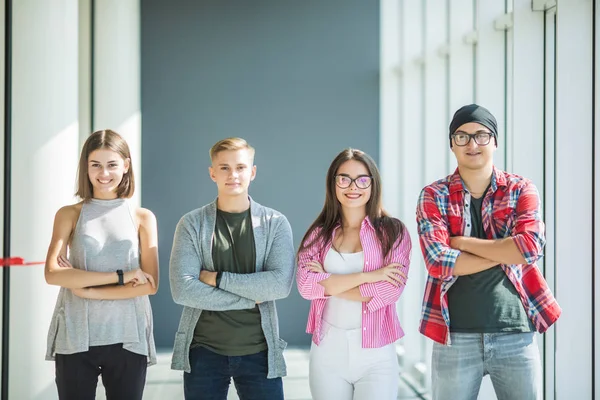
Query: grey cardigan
(275, 269)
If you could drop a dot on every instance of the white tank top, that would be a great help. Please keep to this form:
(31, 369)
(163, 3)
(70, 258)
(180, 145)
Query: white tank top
(342, 313)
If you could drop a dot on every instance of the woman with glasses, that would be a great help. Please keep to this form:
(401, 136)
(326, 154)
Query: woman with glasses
(353, 264)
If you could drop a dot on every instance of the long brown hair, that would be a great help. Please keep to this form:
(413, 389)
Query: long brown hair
(388, 229)
(110, 140)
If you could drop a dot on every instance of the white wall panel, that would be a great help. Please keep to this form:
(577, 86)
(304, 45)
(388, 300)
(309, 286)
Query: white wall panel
(574, 198)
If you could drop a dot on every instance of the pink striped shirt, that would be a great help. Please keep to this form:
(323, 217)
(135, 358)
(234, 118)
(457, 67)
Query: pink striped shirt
(380, 323)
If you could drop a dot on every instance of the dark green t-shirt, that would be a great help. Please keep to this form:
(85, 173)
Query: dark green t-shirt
(485, 302)
(234, 332)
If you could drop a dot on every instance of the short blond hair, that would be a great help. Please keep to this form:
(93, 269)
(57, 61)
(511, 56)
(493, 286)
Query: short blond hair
(232, 143)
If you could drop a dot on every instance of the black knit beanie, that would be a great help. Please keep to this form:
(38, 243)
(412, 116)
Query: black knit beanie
(473, 113)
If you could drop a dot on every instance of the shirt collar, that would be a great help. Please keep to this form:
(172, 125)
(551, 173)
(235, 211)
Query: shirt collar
(457, 185)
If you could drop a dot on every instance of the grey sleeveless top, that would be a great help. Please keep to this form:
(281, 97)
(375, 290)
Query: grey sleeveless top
(105, 239)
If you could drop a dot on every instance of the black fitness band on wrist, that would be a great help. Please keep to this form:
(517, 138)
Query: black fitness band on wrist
(120, 273)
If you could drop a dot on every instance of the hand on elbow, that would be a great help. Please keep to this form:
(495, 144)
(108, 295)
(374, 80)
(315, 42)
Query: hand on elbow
(138, 277)
(152, 290)
(50, 273)
(389, 273)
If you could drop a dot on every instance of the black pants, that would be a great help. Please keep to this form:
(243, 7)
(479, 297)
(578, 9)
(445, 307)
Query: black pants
(123, 373)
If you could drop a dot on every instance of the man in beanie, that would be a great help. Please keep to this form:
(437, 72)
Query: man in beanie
(481, 235)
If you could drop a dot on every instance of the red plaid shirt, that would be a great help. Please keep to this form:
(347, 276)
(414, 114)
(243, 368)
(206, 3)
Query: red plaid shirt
(510, 209)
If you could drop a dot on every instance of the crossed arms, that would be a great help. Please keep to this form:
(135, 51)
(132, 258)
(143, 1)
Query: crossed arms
(235, 291)
(102, 285)
(377, 288)
(447, 256)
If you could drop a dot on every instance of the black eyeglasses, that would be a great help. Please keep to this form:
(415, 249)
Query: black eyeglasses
(463, 139)
(362, 181)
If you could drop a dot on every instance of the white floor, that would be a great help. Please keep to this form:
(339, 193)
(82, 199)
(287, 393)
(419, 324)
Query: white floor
(163, 383)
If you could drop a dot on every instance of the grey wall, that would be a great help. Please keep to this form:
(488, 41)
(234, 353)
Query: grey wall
(297, 79)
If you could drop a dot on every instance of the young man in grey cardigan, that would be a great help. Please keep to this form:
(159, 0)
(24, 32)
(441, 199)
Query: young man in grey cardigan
(230, 260)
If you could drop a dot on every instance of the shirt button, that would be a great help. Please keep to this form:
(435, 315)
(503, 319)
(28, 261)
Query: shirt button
(468, 225)
(364, 312)
(364, 329)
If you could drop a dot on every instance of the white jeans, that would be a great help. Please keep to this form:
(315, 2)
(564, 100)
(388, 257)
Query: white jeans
(340, 369)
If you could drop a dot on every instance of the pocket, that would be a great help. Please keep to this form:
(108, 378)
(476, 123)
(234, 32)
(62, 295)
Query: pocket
(279, 360)
(325, 330)
(281, 344)
(504, 221)
(179, 347)
(455, 225)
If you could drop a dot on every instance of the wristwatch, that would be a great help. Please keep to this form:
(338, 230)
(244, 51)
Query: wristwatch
(120, 273)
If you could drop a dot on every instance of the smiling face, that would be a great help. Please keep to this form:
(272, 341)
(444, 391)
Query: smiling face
(105, 172)
(473, 156)
(353, 184)
(232, 171)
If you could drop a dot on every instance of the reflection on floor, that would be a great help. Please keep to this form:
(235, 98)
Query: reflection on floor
(165, 384)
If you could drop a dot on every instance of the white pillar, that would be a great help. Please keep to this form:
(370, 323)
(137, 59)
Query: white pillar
(2, 87)
(437, 154)
(85, 70)
(574, 133)
(389, 104)
(461, 64)
(597, 198)
(116, 76)
(412, 175)
(549, 191)
(490, 82)
(44, 163)
(526, 127)
(525, 131)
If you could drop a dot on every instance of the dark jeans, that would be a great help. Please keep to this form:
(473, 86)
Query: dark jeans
(123, 373)
(211, 375)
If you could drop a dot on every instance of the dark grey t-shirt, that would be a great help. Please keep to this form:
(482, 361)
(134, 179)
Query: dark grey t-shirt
(485, 302)
(234, 332)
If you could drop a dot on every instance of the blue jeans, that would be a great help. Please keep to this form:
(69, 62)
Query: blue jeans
(511, 359)
(211, 375)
